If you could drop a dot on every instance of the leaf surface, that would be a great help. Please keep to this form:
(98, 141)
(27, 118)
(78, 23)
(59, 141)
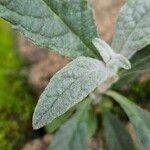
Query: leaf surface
(44, 25)
(133, 28)
(68, 87)
(74, 134)
(109, 56)
(139, 118)
(117, 137)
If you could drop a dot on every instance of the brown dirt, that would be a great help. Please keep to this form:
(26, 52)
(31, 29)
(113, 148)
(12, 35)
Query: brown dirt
(38, 144)
(42, 143)
(106, 12)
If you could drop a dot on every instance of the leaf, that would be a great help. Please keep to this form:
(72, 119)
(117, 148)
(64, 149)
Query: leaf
(45, 25)
(56, 123)
(140, 63)
(138, 117)
(73, 135)
(111, 58)
(117, 137)
(133, 28)
(92, 123)
(68, 87)
(104, 49)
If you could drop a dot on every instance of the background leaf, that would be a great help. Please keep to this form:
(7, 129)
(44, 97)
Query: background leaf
(92, 123)
(140, 63)
(56, 123)
(68, 87)
(133, 28)
(117, 137)
(138, 117)
(74, 134)
(48, 28)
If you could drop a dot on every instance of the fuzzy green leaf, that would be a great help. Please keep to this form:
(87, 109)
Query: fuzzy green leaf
(66, 27)
(68, 87)
(117, 137)
(138, 117)
(133, 28)
(73, 135)
(109, 56)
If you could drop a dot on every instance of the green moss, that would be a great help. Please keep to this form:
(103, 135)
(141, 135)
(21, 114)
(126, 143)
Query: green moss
(16, 102)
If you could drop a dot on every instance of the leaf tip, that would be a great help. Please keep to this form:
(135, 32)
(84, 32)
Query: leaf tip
(36, 122)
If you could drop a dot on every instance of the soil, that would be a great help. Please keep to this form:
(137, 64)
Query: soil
(42, 143)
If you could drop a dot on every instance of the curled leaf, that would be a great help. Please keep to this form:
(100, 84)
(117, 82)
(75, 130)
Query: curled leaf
(109, 56)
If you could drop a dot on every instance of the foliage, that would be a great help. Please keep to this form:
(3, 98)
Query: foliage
(77, 126)
(132, 31)
(138, 117)
(68, 87)
(116, 135)
(68, 28)
(16, 103)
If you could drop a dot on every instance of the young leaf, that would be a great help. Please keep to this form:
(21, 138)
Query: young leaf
(133, 28)
(104, 49)
(120, 61)
(73, 134)
(139, 118)
(117, 137)
(44, 25)
(109, 56)
(68, 87)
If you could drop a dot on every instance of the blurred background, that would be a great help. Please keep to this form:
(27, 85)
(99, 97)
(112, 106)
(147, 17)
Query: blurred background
(26, 69)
